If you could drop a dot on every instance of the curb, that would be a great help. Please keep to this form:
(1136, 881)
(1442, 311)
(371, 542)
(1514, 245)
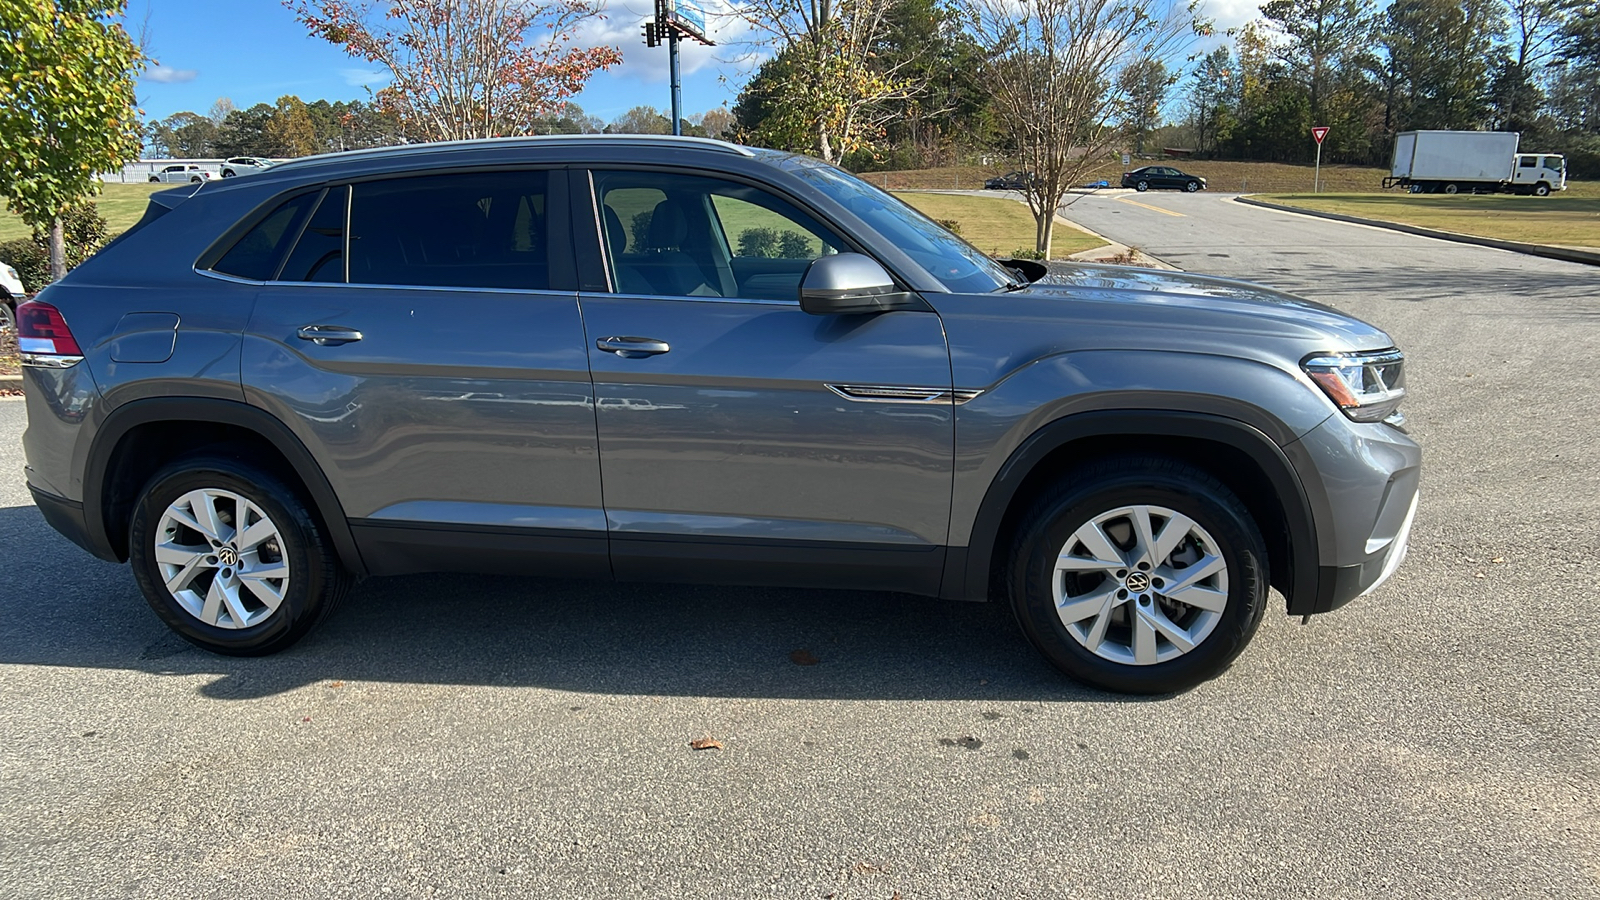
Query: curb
(1565, 254)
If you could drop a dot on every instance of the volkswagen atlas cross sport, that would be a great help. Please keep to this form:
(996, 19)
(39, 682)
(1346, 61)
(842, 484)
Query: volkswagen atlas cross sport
(664, 359)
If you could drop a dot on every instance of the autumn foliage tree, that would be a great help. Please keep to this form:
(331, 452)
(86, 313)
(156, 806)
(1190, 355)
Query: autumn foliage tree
(66, 107)
(466, 68)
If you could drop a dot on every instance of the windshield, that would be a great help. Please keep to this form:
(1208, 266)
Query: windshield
(957, 264)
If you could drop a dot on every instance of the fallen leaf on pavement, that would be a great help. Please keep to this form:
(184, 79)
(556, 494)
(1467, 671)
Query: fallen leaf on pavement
(705, 743)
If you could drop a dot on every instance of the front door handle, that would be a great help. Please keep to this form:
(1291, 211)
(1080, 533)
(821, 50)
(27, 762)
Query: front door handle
(632, 347)
(329, 335)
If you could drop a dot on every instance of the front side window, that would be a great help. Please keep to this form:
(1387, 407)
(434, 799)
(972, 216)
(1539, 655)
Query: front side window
(473, 230)
(677, 235)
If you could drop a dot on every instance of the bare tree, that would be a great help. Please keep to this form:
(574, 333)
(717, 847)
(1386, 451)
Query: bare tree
(834, 93)
(466, 68)
(1052, 69)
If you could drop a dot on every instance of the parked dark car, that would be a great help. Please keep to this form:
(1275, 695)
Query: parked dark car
(673, 359)
(1162, 177)
(1011, 181)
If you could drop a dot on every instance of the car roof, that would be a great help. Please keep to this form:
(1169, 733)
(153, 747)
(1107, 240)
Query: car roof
(405, 151)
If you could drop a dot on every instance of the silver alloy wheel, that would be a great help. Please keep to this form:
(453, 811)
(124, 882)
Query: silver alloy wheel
(222, 558)
(8, 322)
(1140, 585)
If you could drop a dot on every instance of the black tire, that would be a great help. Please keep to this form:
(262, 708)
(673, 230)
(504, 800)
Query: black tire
(196, 180)
(1451, 188)
(8, 316)
(155, 179)
(1541, 190)
(1192, 186)
(1142, 186)
(228, 173)
(1106, 486)
(317, 581)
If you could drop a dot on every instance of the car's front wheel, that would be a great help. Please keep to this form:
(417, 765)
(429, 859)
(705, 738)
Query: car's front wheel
(231, 557)
(8, 320)
(1192, 186)
(1138, 575)
(1541, 190)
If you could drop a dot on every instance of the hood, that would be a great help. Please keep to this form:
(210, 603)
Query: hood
(1180, 290)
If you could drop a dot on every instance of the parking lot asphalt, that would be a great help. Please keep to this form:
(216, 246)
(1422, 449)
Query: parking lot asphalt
(475, 736)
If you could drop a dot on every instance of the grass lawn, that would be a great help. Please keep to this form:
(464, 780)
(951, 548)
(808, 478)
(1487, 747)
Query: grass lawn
(1564, 219)
(121, 204)
(997, 225)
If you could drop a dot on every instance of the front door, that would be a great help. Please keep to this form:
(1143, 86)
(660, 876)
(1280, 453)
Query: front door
(423, 338)
(744, 440)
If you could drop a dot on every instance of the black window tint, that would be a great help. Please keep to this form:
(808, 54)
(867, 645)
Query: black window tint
(256, 254)
(466, 230)
(319, 254)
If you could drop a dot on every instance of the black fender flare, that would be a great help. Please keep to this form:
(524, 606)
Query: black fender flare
(967, 574)
(135, 413)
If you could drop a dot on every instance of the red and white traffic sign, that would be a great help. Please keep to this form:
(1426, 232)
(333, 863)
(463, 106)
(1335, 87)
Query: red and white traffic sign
(1319, 132)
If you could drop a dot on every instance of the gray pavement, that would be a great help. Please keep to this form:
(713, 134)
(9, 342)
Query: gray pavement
(494, 737)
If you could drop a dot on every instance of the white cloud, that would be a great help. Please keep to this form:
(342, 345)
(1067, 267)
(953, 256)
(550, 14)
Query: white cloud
(365, 77)
(169, 75)
(1230, 13)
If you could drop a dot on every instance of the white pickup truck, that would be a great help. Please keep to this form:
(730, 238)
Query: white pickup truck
(179, 174)
(1450, 162)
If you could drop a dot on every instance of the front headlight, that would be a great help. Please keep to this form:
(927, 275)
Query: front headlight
(12, 274)
(1366, 386)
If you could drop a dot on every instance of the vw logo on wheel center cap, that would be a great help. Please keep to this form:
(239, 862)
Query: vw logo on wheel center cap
(1138, 582)
(228, 556)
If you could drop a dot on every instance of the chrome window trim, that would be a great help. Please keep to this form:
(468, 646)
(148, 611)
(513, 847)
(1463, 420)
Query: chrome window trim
(387, 287)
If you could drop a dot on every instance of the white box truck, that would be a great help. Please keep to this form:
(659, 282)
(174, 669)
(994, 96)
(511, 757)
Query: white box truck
(1450, 162)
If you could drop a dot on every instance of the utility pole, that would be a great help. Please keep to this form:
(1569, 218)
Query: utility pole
(675, 20)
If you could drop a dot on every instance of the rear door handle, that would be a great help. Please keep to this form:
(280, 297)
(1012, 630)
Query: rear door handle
(632, 347)
(329, 335)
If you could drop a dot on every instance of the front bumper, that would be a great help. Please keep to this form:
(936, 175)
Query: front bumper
(1362, 481)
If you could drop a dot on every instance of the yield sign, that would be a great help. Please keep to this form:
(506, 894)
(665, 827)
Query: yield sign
(1319, 132)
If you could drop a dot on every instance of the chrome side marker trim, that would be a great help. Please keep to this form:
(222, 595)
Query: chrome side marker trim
(882, 393)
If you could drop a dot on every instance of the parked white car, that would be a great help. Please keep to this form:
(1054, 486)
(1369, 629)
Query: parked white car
(179, 174)
(244, 165)
(11, 293)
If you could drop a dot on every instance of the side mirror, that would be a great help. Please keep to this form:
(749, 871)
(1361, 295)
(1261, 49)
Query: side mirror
(852, 284)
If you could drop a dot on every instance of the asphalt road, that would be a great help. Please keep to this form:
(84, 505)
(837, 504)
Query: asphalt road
(493, 737)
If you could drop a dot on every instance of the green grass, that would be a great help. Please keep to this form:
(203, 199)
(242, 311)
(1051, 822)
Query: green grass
(120, 204)
(998, 225)
(1568, 219)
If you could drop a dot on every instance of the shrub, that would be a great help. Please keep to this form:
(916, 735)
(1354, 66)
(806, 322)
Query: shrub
(85, 232)
(794, 245)
(758, 242)
(641, 231)
(1026, 253)
(951, 225)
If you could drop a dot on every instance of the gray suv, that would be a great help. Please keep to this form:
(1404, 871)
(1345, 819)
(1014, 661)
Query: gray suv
(662, 359)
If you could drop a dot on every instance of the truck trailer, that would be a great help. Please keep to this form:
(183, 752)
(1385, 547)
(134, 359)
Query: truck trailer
(1479, 162)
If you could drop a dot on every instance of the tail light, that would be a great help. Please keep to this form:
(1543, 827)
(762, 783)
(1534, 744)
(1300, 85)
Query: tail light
(43, 338)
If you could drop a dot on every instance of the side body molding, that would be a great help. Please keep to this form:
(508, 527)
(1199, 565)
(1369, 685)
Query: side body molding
(135, 413)
(967, 570)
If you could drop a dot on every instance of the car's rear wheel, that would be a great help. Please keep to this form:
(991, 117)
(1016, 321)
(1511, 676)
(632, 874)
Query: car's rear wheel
(232, 558)
(195, 180)
(228, 173)
(1139, 575)
(1192, 186)
(1451, 189)
(1142, 186)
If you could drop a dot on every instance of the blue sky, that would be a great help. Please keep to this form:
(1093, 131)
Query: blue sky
(253, 51)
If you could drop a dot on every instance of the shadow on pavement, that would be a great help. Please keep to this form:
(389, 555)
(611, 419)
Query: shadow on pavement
(60, 607)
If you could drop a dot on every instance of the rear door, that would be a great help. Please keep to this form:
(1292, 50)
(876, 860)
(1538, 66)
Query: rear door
(741, 438)
(423, 339)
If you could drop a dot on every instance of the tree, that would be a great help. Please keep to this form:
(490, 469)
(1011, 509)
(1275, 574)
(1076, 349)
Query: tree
(1051, 71)
(1321, 39)
(290, 130)
(220, 110)
(244, 132)
(1439, 52)
(831, 92)
(188, 135)
(1212, 100)
(1534, 27)
(717, 122)
(640, 120)
(67, 111)
(466, 68)
(1144, 87)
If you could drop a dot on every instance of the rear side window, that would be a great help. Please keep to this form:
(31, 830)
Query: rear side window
(256, 255)
(319, 254)
(485, 230)
(1528, 162)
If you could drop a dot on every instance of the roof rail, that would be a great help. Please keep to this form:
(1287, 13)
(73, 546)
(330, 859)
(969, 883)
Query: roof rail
(404, 150)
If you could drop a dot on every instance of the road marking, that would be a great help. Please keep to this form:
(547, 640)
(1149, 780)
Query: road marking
(1152, 208)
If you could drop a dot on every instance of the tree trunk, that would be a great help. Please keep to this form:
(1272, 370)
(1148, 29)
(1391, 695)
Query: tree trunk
(1044, 231)
(824, 146)
(58, 250)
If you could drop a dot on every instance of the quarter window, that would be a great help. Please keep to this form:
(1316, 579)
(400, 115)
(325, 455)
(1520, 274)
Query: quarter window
(319, 254)
(256, 255)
